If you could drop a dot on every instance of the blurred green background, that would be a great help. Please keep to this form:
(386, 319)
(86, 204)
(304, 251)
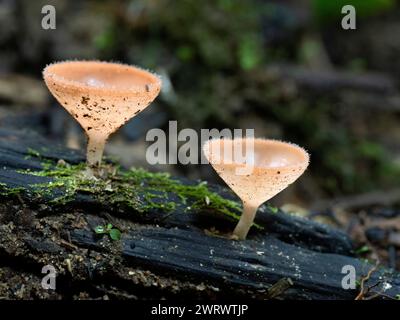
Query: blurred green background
(285, 68)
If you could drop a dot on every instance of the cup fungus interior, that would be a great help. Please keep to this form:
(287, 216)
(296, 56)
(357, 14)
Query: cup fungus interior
(108, 76)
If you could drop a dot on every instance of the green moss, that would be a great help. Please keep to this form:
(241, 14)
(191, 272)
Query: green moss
(136, 189)
(6, 191)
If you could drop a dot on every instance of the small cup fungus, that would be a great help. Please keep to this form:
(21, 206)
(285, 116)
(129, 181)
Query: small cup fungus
(274, 165)
(101, 96)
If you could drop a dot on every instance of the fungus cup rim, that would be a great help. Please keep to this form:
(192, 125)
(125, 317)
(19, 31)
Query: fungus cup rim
(154, 79)
(293, 146)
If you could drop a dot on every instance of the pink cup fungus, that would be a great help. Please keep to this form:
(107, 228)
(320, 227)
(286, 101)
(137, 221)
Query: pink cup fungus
(101, 96)
(274, 166)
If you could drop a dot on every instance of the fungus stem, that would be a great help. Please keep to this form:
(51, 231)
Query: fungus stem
(95, 149)
(246, 220)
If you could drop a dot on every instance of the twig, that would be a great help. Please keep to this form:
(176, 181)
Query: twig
(379, 294)
(358, 201)
(68, 245)
(362, 293)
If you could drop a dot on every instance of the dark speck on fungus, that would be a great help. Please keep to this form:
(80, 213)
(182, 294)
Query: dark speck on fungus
(85, 100)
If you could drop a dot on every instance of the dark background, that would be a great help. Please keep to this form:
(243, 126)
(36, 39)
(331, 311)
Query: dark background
(285, 68)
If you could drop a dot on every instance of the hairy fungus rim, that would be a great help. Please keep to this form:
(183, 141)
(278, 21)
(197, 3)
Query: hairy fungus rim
(294, 146)
(154, 79)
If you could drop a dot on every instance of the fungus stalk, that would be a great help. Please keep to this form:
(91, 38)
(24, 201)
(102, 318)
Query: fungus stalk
(95, 150)
(245, 221)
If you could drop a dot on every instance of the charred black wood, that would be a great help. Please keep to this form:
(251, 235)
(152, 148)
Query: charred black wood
(165, 254)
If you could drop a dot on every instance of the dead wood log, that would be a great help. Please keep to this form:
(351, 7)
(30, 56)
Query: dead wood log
(328, 80)
(160, 254)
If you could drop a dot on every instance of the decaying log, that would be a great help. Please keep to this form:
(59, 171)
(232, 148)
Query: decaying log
(328, 80)
(357, 202)
(176, 254)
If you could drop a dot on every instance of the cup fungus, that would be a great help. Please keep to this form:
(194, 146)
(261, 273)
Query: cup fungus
(274, 165)
(101, 96)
